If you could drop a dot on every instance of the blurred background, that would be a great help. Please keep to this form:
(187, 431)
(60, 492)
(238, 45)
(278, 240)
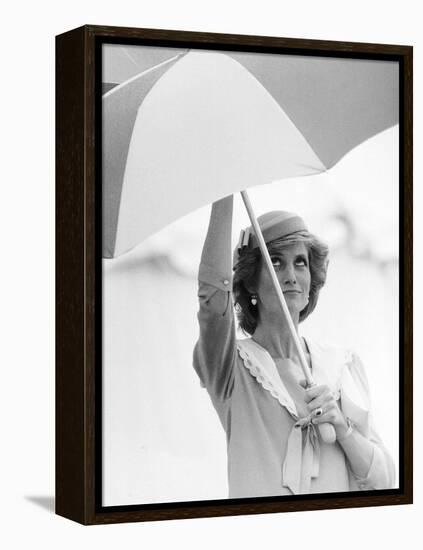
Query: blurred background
(162, 440)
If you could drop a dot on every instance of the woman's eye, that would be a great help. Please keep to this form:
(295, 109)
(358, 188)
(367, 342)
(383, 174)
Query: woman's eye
(275, 261)
(301, 262)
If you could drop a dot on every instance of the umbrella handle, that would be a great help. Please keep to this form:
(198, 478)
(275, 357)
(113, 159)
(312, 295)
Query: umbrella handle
(327, 431)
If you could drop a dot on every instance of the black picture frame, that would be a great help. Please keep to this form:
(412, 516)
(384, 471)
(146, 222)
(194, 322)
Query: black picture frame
(78, 275)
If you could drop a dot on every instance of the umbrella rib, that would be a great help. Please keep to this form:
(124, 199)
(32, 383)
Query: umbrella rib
(280, 107)
(129, 56)
(139, 75)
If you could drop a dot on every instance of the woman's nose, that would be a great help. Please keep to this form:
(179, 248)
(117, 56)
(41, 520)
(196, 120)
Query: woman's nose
(289, 275)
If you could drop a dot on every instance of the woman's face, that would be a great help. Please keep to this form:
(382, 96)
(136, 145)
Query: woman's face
(291, 264)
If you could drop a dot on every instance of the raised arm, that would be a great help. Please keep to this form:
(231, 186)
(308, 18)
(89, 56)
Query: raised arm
(215, 351)
(217, 246)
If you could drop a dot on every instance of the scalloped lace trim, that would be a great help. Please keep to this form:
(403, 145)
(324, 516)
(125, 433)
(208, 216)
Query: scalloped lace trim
(257, 372)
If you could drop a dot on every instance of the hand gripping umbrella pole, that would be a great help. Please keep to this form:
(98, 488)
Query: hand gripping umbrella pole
(327, 431)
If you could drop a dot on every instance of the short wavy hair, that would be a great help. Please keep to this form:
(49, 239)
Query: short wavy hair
(247, 269)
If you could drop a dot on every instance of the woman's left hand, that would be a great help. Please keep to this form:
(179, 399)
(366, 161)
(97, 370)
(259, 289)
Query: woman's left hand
(320, 400)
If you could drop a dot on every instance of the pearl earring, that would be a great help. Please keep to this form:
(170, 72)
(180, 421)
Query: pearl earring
(253, 299)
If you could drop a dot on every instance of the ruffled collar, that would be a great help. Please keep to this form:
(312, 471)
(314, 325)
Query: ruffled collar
(262, 367)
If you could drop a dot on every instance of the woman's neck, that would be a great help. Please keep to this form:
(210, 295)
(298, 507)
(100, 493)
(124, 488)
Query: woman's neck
(275, 337)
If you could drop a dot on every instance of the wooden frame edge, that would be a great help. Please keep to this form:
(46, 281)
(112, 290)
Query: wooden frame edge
(70, 274)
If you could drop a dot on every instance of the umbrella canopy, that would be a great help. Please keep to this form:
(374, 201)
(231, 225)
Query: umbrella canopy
(200, 125)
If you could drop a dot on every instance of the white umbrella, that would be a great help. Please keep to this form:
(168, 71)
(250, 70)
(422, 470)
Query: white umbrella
(202, 125)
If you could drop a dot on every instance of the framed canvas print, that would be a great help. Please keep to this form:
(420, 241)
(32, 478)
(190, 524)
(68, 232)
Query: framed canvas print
(234, 275)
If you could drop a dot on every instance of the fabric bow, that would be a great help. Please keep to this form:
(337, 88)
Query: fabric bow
(302, 458)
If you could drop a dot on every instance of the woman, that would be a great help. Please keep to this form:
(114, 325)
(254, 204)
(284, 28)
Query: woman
(256, 384)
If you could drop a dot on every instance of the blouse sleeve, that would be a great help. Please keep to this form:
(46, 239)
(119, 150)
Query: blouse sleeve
(356, 405)
(215, 350)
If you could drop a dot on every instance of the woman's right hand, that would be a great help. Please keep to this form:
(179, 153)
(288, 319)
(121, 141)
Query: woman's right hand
(320, 400)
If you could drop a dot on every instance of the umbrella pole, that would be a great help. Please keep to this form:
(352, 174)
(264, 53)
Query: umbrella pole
(327, 431)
